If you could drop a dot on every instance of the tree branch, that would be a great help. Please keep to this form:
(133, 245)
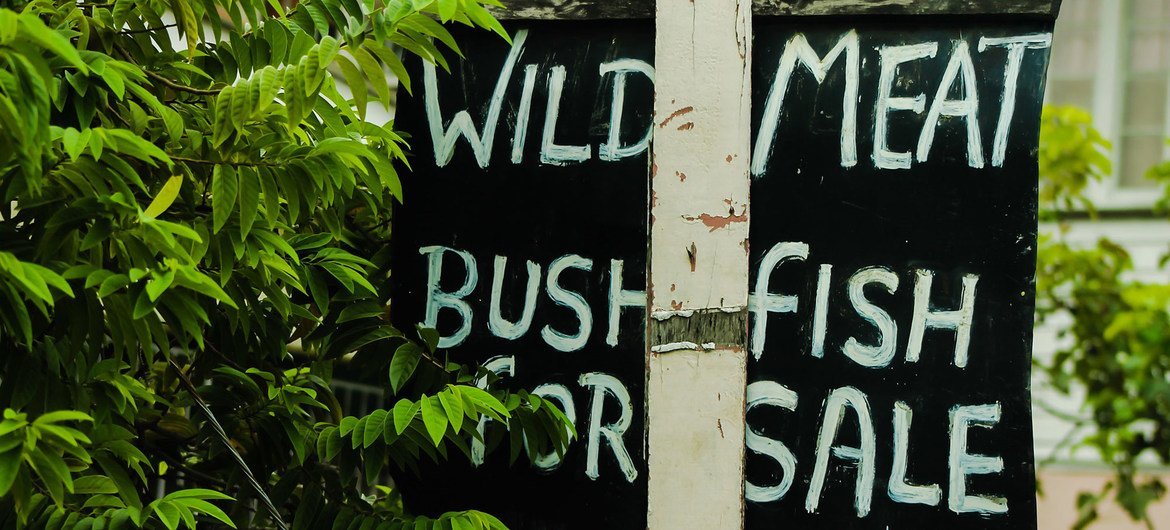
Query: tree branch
(180, 87)
(201, 161)
(147, 30)
(173, 85)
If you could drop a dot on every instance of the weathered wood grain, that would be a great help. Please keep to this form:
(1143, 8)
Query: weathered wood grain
(576, 9)
(905, 7)
(608, 9)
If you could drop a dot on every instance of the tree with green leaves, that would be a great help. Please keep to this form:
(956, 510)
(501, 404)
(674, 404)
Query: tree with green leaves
(192, 239)
(1117, 348)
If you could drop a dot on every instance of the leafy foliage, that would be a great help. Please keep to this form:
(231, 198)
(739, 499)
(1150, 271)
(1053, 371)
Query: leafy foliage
(194, 240)
(1117, 347)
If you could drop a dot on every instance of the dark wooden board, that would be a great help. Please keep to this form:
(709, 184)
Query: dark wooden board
(540, 212)
(601, 9)
(1008, 8)
(941, 215)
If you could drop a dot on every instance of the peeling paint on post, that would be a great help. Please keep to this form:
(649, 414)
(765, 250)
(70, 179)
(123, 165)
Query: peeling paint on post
(697, 288)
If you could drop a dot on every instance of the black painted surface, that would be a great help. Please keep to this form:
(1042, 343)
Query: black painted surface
(602, 9)
(941, 215)
(532, 211)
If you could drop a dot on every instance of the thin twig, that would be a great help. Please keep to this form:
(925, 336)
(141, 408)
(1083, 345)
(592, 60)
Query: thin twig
(227, 444)
(173, 85)
(180, 87)
(147, 30)
(220, 162)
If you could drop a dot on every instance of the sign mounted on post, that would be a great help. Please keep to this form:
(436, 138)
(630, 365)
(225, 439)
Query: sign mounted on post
(893, 258)
(523, 241)
(890, 258)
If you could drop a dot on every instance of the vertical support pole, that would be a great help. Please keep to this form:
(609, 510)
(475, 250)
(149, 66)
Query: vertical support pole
(698, 279)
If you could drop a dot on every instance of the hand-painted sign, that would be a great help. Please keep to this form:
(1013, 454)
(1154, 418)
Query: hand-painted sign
(893, 246)
(893, 233)
(523, 241)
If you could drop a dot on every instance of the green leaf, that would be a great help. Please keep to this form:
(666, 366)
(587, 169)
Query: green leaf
(430, 337)
(9, 467)
(433, 417)
(323, 443)
(453, 405)
(447, 9)
(484, 401)
(59, 416)
(167, 513)
(360, 311)
(403, 364)
(249, 199)
(166, 197)
(71, 140)
(271, 196)
(94, 485)
(208, 509)
(36, 31)
(53, 472)
(404, 413)
(357, 435)
(355, 81)
(374, 73)
(159, 284)
(199, 493)
(375, 426)
(189, 25)
(224, 186)
(200, 283)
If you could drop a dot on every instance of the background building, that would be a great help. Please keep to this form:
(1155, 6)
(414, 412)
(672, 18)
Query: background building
(1111, 57)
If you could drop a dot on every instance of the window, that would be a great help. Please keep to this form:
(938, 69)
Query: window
(1074, 54)
(1112, 57)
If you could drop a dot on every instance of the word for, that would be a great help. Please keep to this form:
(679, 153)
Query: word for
(961, 463)
(924, 317)
(960, 70)
(550, 151)
(602, 385)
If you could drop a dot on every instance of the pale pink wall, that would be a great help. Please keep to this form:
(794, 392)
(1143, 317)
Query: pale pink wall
(1057, 508)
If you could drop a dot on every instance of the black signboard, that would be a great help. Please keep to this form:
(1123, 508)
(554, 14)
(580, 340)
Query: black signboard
(893, 237)
(523, 241)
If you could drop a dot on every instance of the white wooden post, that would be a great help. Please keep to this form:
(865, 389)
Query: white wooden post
(697, 283)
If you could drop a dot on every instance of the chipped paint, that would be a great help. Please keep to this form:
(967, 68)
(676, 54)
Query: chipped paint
(715, 222)
(675, 114)
(675, 346)
(663, 314)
